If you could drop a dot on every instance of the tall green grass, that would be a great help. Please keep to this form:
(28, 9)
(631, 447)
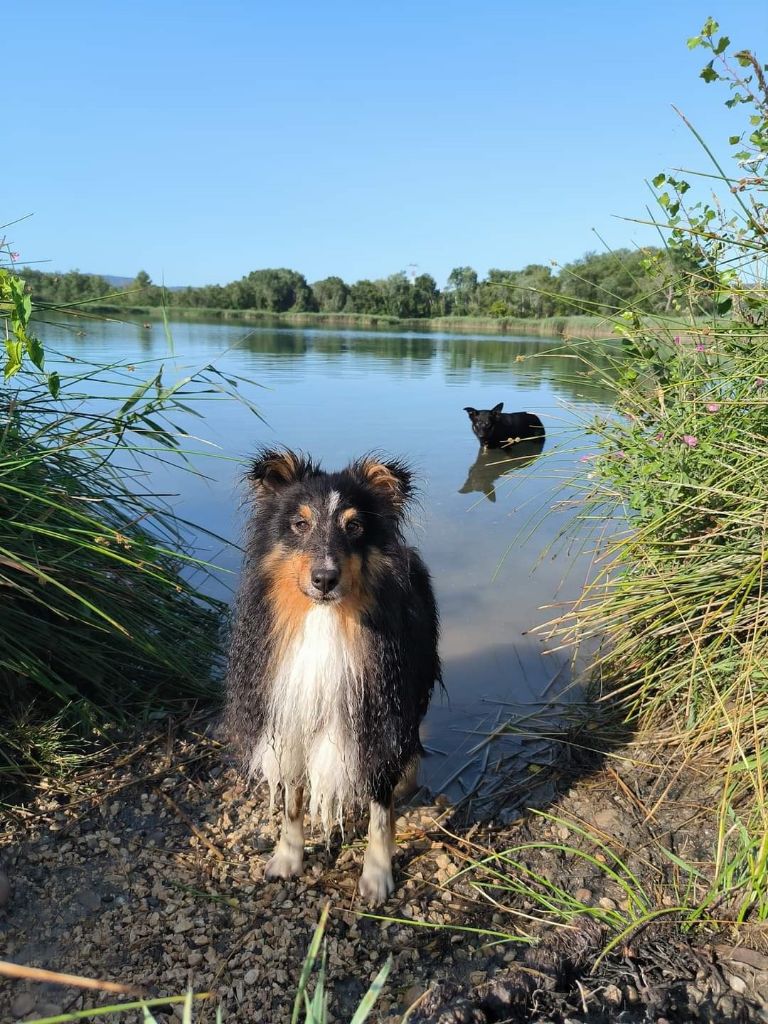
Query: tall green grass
(103, 612)
(681, 600)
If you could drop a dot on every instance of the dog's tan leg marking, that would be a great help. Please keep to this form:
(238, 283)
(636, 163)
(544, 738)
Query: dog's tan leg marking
(288, 858)
(376, 882)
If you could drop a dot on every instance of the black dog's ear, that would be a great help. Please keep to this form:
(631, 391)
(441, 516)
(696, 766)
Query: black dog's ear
(470, 411)
(497, 408)
(272, 469)
(391, 479)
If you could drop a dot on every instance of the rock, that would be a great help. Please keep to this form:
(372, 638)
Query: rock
(606, 903)
(412, 994)
(23, 1004)
(5, 889)
(607, 819)
(48, 1010)
(89, 900)
(583, 895)
(251, 977)
(612, 994)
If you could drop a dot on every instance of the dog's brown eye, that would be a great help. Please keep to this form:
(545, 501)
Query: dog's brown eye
(353, 527)
(300, 526)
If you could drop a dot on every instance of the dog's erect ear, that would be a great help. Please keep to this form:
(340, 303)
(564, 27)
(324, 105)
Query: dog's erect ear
(273, 470)
(392, 479)
(497, 408)
(470, 411)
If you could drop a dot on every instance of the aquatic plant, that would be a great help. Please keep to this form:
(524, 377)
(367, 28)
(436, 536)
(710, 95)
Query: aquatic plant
(103, 612)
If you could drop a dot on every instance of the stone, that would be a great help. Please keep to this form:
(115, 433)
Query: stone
(23, 1004)
(5, 889)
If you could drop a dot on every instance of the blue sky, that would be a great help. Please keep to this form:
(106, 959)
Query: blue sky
(200, 141)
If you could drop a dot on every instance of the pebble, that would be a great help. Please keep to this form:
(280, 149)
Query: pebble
(5, 889)
(23, 1004)
(89, 900)
(606, 903)
(613, 995)
(412, 994)
(583, 895)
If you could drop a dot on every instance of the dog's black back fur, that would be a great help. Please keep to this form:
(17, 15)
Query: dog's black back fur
(496, 429)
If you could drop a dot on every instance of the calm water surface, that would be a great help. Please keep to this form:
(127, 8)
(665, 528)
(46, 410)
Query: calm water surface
(482, 524)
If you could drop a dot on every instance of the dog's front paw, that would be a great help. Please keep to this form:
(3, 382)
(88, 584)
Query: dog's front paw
(286, 862)
(376, 883)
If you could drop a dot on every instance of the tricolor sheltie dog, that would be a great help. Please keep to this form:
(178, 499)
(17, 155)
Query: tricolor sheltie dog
(333, 655)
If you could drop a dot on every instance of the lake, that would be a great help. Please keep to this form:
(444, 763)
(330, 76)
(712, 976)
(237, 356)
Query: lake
(489, 530)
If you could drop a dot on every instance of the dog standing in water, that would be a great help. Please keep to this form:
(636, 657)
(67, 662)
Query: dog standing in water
(334, 654)
(496, 429)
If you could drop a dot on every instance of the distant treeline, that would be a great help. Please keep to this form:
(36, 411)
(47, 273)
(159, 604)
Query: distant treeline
(598, 283)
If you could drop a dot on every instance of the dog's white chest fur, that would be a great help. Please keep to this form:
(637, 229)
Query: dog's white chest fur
(308, 736)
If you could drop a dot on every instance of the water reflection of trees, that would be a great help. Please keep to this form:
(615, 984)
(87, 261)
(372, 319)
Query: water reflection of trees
(549, 360)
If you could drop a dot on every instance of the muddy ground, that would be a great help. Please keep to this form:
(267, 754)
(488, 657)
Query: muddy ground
(148, 870)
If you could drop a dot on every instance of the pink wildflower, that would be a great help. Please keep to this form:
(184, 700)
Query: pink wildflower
(713, 407)
(690, 440)
(586, 458)
(660, 436)
(619, 454)
(700, 348)
(14, 256)
(676, 339)
(759, 382)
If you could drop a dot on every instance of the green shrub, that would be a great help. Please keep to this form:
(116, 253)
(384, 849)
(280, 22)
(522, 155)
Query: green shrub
(681, 599)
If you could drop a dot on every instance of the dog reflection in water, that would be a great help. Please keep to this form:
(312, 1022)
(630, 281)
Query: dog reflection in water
(493, 464)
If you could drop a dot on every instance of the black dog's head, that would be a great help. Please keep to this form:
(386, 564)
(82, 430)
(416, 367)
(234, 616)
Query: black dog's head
(324, 534)
(484, 421)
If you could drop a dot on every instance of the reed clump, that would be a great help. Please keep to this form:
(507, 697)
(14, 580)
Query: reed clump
(680, 601)
(104, 615)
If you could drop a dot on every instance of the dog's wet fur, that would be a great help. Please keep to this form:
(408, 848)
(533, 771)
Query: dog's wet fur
(496, 429)
(333, 656)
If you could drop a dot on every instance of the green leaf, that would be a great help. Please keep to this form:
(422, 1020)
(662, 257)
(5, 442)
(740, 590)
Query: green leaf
(693, 42)
(13, 351)
(366, 1004)
(734, 139)
(22, 302)
(54, 384)
(659, 180)
(722, 45)
(139, 393)
(709, 74)
(34, 350)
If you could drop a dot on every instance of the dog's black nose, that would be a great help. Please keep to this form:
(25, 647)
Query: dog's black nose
(325, 579)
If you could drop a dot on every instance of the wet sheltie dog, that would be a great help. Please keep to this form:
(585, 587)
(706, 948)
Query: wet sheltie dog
(333, 655)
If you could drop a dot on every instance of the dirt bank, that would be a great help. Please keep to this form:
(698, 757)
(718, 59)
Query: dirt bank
(149, 870)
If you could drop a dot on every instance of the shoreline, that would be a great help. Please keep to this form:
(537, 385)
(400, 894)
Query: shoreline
(584, 327)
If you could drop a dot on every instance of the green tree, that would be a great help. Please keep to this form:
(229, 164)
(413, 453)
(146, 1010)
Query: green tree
(461, 291)
(331, 294)
(367, 297)
(426, 296)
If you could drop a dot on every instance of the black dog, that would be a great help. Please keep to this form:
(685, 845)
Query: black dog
(334, 649)
(496, 429)
(489, 466)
